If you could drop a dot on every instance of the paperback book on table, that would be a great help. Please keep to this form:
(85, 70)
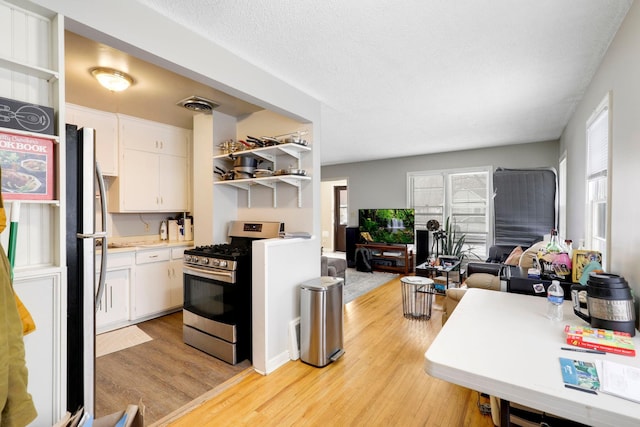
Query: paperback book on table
(600, 339)
(606, 376)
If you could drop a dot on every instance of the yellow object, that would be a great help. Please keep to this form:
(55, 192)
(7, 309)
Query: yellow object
(3, 217)
(28, 325)
(366, 236)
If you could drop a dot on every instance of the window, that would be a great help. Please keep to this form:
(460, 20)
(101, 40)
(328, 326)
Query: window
(462, 195)
(597, 179)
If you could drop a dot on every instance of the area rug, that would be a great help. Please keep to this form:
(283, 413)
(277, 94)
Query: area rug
(117, 340)
(359, 283)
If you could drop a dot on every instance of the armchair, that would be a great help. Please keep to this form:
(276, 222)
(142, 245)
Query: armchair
(334, 267)
(486, 275)
(479, 275)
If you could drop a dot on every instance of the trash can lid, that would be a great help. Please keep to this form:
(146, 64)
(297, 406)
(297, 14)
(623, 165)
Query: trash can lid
(321, 283)
(417, 280)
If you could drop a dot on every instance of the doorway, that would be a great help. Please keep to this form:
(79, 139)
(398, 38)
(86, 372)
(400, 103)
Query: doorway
(340, 218)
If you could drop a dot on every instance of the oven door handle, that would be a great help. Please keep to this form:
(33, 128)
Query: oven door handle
(224, 276)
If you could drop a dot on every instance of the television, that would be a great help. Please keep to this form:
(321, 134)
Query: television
(387, 225)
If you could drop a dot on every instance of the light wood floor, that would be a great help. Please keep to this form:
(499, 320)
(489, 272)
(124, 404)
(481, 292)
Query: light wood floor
(379, 381)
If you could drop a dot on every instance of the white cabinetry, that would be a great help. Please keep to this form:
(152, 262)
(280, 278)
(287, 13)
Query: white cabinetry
(31, 65)
(112, 311)
(154, 168)
(113, 307)
(175, 277)
(43, 350)
(155, 284)
(106, 126)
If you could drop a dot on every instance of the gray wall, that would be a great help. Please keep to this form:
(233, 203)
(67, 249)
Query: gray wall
(383, 183)
(619, 73)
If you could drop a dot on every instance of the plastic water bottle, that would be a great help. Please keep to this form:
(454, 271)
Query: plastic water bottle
(555, 297)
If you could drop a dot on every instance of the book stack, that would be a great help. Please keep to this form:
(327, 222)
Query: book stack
(600, 339)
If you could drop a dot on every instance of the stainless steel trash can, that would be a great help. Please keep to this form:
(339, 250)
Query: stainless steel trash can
(417, 297)
(321, 321)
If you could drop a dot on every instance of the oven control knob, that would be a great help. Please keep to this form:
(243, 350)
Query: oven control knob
(215, 262)
(194, 259)
(223, 263)
(187, 258)
(205, 261)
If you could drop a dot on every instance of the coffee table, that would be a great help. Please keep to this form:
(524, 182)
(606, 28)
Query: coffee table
(427, 270)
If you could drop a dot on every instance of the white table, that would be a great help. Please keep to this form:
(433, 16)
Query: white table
(503, 345)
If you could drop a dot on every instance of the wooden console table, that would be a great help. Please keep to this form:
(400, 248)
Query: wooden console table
(392, 257)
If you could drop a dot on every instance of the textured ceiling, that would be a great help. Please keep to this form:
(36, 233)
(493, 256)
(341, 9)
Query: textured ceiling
(399, 78)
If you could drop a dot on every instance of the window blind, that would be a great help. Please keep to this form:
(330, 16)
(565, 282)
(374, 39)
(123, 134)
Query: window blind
(598, 144)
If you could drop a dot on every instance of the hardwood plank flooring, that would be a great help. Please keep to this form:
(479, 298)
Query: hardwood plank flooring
(165, 373)
(379, 381)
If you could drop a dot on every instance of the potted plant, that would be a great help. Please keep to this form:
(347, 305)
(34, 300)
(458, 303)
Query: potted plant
(453, 242)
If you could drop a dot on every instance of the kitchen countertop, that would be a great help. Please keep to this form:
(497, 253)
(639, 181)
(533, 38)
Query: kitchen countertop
(138, 245)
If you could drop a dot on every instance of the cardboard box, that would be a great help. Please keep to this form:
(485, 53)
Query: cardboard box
(27, 164)
(26, 117)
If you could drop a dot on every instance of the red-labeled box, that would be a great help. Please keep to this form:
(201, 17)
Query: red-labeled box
(27, 164)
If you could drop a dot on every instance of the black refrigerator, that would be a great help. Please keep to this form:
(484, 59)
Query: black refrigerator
(86, 205)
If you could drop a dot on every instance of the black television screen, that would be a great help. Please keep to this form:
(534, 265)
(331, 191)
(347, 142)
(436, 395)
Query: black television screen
(387, 225)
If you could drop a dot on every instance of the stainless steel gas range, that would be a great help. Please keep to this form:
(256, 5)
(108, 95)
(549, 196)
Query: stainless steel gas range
(217, 292)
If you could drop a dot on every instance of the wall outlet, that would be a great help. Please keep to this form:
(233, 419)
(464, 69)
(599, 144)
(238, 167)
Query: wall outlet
(146, 227)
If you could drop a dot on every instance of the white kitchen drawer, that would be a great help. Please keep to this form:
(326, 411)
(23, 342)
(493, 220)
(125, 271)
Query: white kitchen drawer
(178, 253)
(157, 255)
(119, 260)
(116, 260)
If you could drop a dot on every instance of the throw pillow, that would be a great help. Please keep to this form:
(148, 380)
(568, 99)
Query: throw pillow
(526, 261)
(483, 280)
(514, 256)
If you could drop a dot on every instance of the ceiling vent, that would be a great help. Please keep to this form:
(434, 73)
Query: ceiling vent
(198, 104)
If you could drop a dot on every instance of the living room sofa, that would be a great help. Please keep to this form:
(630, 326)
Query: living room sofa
(486, 275)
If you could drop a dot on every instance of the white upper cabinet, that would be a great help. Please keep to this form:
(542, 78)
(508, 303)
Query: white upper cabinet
(106, 126)
(153, 137)
(154, 168)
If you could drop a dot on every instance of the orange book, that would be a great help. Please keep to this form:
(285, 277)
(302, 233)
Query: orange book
(600, 339)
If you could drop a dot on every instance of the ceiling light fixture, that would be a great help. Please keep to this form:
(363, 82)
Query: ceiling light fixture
(112, 79)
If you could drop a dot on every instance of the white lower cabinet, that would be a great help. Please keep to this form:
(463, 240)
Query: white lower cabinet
(153, 283)
(140, 284)
(175, 277)
(41, 296)
(113, 307)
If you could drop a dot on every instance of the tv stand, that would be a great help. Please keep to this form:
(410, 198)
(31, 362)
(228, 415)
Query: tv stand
(391, 257)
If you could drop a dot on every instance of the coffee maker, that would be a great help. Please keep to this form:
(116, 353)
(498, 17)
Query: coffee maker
(609, 303)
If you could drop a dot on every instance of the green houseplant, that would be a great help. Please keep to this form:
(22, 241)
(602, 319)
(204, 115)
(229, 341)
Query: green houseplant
(453, 242)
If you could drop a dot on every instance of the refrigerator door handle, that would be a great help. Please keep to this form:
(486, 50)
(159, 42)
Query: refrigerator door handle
(102, 235)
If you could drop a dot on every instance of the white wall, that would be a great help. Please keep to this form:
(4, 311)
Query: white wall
(290, 263)
(619, 73)
(383, 183)
(223, 200)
